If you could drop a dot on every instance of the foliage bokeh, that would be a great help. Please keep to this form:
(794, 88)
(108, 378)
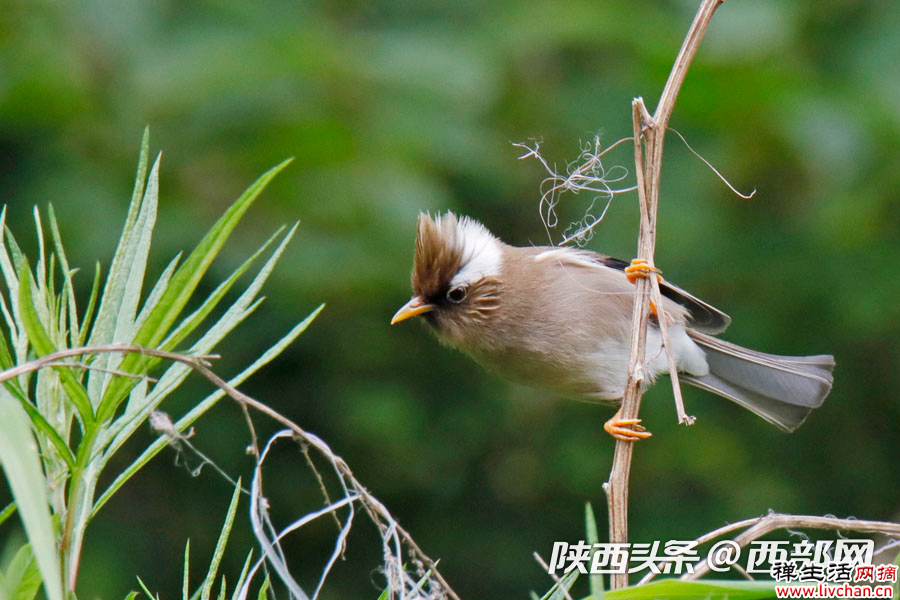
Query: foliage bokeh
(396, 107)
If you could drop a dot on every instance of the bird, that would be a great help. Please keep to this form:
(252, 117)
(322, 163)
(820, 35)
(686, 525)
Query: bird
(559, 318)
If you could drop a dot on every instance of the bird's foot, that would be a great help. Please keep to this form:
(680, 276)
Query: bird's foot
(627, 430)
(640, 269)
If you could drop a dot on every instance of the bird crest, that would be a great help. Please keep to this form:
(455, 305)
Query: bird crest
(451, 251)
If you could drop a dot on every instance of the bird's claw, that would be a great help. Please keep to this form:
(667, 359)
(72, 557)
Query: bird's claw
(640, 269)
(626, 430)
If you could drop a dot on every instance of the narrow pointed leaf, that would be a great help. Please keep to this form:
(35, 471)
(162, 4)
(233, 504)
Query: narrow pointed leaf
(158, 290)
(185, 591)
(39, 339)
(41, 267)
(263, 590)
(186, 327)
(180, 289)
(590, 526)
(243, 576)
(126, 424)
(7, 512)
(40, 423)
(559, 593)
(23, 577)
(200, 409)
(7, 316)
(19, 457)
(145, 589)
(92, 305)
(6, 360)
(221, 543)
(121, 296)
(113, 290)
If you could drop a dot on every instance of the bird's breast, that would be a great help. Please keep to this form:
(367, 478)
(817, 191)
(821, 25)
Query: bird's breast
(592, 371)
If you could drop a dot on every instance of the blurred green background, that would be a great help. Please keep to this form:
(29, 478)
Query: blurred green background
(392, 107)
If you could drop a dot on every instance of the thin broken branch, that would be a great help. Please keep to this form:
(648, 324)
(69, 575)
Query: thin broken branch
(774, 521)
(757, 527)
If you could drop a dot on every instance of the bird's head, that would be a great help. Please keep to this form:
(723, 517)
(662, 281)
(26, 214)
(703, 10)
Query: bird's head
(455, 276)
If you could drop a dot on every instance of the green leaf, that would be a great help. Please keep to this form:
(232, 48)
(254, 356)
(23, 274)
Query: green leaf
(23, 578)
(201, 408)
(7, 357)
(41, 267)
(263, 589)
(708, 590)
(92, 304)
(122, 292)
(146, 591)
(75, 330)
(179, 291)
(558, 593)
(243, 576)
(220, 545)
(131, 595)
(590, 526)
(189, 324)
(185, 590)
(114, 289)
(18, 258)
(40, 423)
(19, 457)
(6, 360)
(37, 335)
(136, 413)
(17, 337)
(40, 340)
(158, 289)
(7, 512)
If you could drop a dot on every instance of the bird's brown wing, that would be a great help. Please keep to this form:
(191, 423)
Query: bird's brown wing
(701, 316)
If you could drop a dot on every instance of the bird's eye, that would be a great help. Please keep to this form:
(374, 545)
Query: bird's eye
(457, 294)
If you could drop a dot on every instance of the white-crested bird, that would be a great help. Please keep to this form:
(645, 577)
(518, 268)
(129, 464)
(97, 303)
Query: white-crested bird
(560, 319)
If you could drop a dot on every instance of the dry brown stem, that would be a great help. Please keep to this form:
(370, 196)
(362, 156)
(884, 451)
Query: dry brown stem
(773, 521)
(757, 527)
(648, 163)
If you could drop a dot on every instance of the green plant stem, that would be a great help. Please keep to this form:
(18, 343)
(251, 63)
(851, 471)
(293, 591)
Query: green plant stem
(69, 546)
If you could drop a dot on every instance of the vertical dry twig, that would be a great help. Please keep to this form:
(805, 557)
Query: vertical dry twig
(650, 128)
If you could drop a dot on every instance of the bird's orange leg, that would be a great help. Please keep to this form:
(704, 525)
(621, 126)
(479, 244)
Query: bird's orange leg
(627, 430)
(639, 268)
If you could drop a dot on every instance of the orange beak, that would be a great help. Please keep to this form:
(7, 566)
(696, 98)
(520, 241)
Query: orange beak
(413, 308)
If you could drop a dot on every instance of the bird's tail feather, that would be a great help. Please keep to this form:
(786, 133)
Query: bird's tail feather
(780, 389)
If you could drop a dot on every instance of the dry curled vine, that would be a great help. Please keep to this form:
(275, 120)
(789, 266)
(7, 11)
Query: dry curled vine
(426, 582)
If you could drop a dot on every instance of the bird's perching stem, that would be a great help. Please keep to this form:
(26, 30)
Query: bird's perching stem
(649, 134)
